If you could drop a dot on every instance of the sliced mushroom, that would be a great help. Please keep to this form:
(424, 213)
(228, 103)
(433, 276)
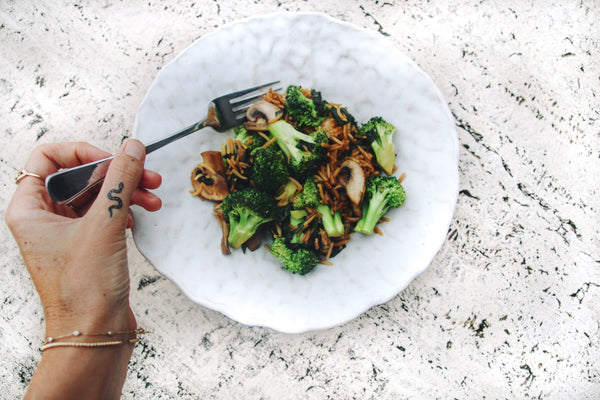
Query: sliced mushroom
(262, 110)
(225, 229)
(258, 125)
(208, 179)
(352, 177)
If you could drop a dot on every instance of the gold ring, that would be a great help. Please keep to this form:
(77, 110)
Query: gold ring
(24, 173)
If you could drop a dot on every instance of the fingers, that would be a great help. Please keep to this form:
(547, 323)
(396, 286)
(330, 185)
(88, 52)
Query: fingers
(145, 199)
(141, 196)
(45, 160)
(49, 158)
(150, 180)
(121, 181)
(129, 219)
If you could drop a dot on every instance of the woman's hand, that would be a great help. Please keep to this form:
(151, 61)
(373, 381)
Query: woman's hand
(77, 257)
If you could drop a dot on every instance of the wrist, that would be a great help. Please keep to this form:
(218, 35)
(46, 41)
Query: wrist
(94, 321)
(77, 373)
(90, 364)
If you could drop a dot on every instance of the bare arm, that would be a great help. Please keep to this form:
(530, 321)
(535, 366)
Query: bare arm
(77, 259)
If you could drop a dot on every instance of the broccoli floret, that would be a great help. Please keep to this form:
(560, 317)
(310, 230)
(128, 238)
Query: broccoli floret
(291, 141)
(381, 194)
(309, 196)
(297, 218)
(319, 137)
(302, 110)
(269, 169)
(296, 225)
(296, 259)
(332, 221)
(317, 156)
(240, 133)
(287, 192)
(246, 210)
(304, 152)
(380, 135)
(250, 140)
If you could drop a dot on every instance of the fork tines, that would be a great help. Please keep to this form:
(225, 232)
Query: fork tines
(232, 107)
(247, 96)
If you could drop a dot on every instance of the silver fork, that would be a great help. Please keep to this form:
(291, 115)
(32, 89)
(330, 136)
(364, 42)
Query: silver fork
(224, 113)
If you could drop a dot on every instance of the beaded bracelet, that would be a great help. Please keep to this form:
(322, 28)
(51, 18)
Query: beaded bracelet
(53, 341)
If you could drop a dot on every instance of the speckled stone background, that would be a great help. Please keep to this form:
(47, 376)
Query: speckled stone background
(509, 308)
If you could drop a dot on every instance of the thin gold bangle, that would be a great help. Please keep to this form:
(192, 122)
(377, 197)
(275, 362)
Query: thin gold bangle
(53, 341)
(88, 344)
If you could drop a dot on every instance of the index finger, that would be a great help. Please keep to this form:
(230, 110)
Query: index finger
(46, 159)
(49, 158)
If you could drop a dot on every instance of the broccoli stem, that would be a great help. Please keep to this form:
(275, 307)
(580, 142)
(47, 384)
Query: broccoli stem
(385, 154)
(377, 207)
(332, 222)
(288, 138)
(241, 229)
(297, 218)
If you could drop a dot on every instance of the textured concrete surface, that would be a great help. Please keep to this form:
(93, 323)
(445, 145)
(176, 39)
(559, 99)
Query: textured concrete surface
(509, 308)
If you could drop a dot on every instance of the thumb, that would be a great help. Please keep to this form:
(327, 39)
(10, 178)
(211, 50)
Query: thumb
(122, 178)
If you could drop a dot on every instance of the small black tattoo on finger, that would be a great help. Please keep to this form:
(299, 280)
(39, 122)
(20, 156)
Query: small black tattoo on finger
(119, 203)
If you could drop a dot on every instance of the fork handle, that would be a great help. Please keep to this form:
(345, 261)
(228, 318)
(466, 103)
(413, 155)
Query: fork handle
(176, 136)
(68, 184)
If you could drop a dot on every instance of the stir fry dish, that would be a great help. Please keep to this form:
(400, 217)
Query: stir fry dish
(301, 175)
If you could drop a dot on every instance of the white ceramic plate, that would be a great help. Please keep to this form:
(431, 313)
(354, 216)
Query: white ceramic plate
(357, 68)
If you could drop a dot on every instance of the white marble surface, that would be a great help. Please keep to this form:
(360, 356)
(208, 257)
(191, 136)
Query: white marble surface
(509, 308)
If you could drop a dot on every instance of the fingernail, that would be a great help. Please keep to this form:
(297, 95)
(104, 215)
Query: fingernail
(135, 149)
